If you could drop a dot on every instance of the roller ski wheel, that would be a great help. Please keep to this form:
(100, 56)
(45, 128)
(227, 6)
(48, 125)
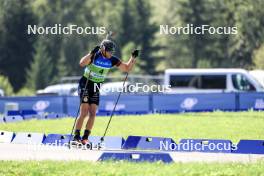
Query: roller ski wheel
(76, 143)
(87, 145)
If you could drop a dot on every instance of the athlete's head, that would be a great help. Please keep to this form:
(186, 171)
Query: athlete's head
(108, 48)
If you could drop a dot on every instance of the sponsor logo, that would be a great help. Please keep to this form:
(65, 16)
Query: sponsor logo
(41, 105)
(259, 104)
(189, 103)
(85, 99)
(109, 106)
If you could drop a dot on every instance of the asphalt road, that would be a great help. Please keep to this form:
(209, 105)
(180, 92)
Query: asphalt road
(10, 151)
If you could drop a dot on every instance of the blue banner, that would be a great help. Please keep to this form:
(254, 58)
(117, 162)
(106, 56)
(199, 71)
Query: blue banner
(141, 104)
(126, 104)
(73, 103)
(194, 102)
(251, 101)
(39, 104)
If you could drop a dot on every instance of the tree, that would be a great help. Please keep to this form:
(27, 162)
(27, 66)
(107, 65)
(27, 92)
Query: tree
(136, 27)
(66, 50)
(213, 50)
(40, 72)
(259, 58)
(208, 50)
(175, 50)
(62, 69)
(249, 15)
(16, 47)
(6, 86)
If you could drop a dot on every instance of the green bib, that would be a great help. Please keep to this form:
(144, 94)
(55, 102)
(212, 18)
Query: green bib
(98, 69)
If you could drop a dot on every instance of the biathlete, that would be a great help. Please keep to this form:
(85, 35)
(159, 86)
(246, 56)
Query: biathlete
(97, 64)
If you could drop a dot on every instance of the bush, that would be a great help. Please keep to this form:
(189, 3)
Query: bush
(25, 91)
(6, 86)
(259, 58)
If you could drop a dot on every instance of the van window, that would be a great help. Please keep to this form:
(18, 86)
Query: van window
(214, 82)
(240, 82)
(190, 81)
(199, 81)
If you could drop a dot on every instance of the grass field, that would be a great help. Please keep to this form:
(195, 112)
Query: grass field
(126, 169)
(221, 125)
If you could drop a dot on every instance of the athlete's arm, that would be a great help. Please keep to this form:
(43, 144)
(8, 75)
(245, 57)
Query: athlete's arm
(85, 60)
(126, 67)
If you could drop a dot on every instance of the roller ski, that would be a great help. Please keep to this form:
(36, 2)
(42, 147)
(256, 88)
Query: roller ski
(84, 144)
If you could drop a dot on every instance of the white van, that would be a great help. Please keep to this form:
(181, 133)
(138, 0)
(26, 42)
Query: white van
(210, 80)
(59, 89)
(2, 93)
(258, 75)
(72, 89)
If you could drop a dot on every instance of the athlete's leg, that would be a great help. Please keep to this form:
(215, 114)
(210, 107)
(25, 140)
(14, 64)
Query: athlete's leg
(92, 114)
(90, 122)
(84, 109)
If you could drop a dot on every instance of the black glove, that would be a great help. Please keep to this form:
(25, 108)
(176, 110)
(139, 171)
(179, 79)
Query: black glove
(95, 49)
(135, 53)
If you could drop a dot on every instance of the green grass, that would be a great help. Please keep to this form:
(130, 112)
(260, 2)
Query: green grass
(124, 168)
(221, 125)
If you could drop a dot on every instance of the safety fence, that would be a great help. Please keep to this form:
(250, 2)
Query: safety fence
(142, 104)
(140, 143)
